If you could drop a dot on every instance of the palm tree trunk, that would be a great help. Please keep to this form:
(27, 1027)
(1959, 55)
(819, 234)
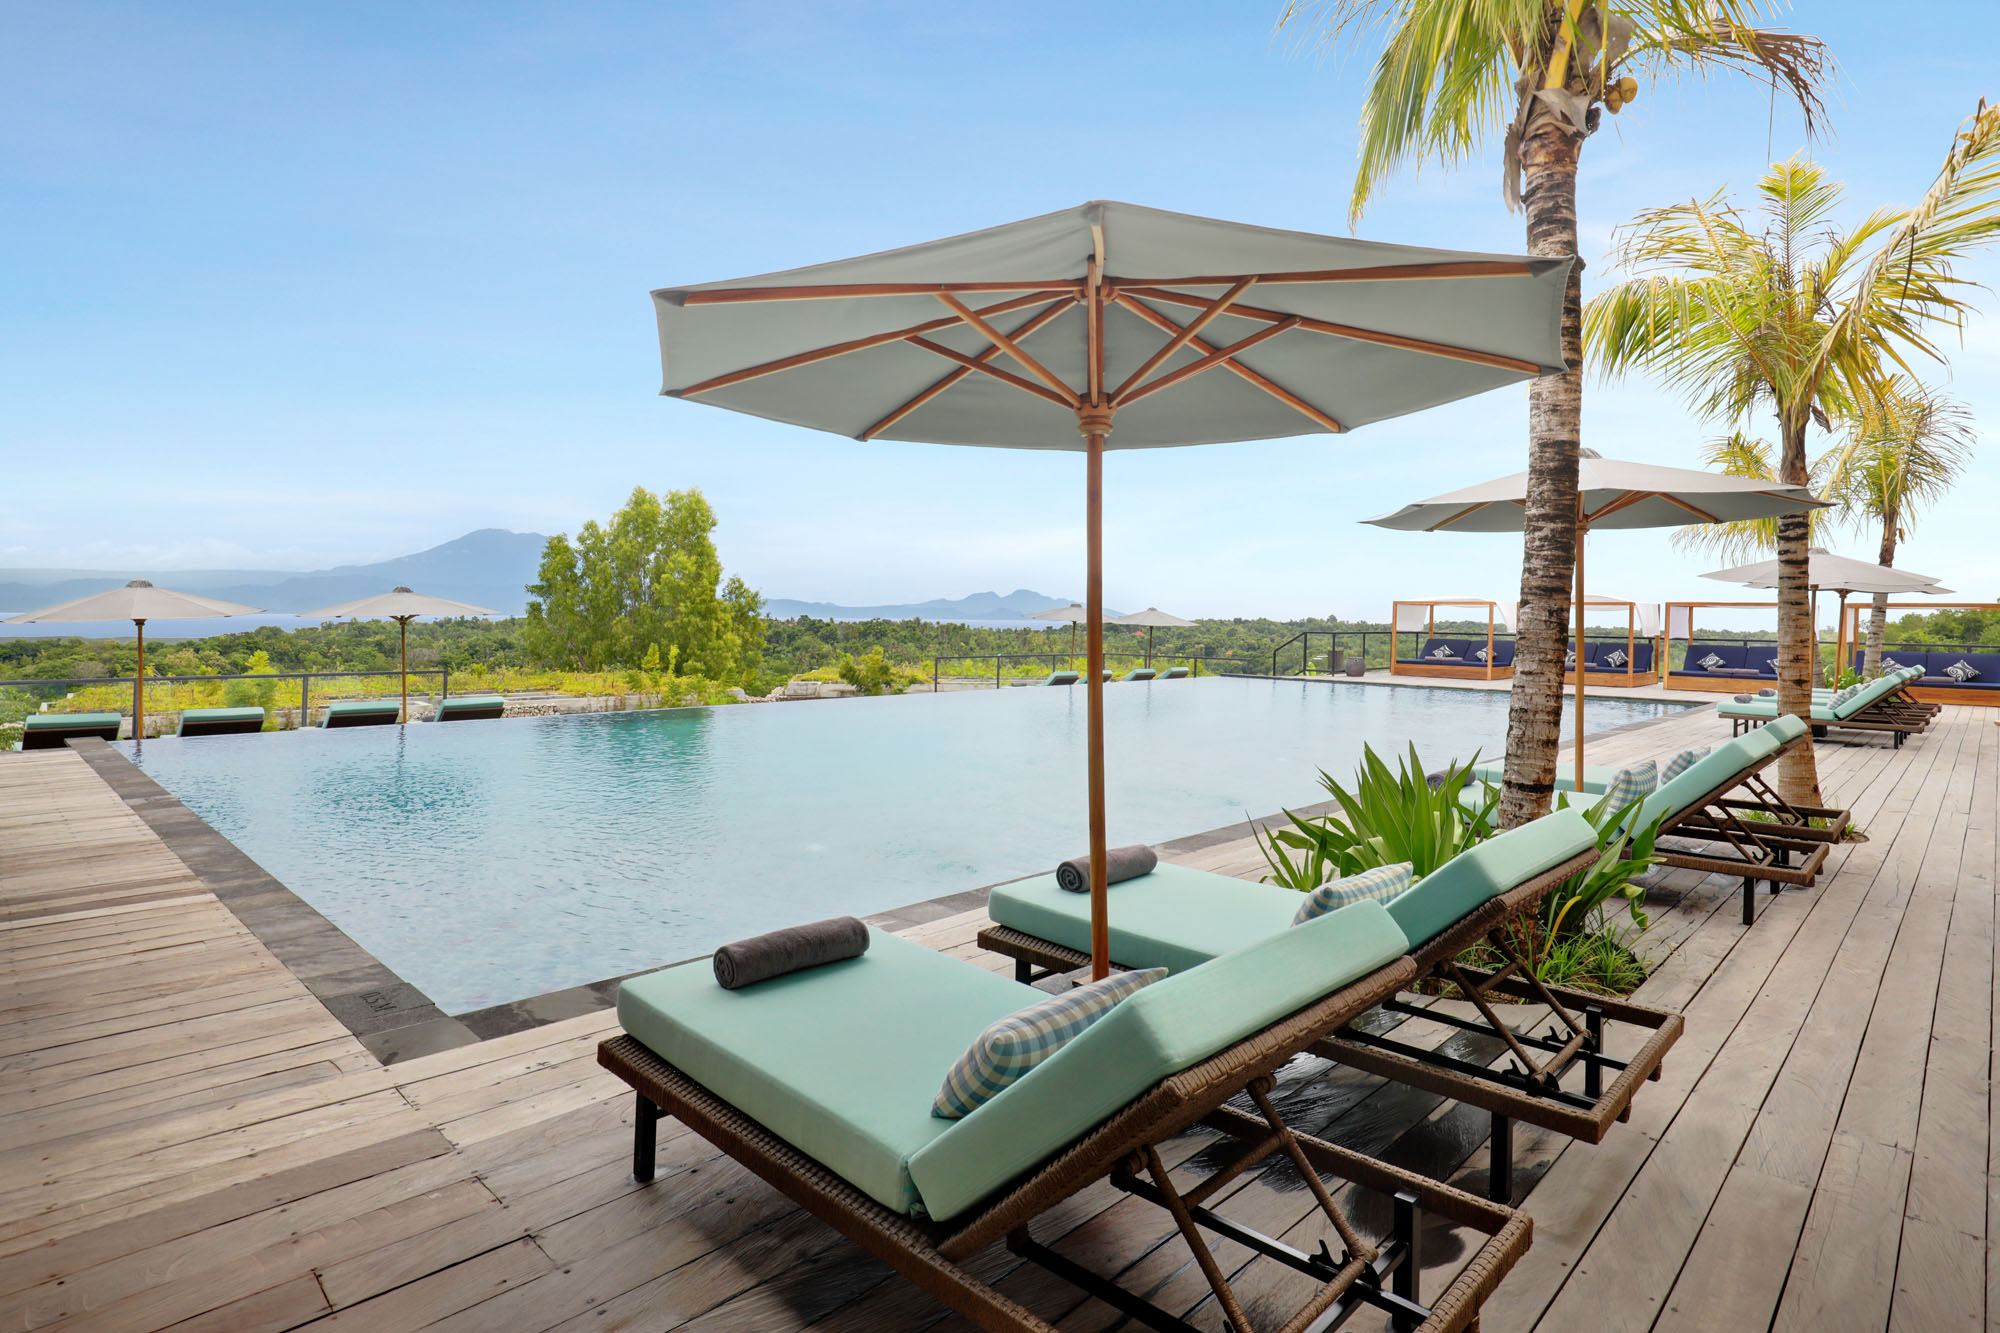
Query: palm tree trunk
(1878, 617)
(1548, 546)
(1798, 637)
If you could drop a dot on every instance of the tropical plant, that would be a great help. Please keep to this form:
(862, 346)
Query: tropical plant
(650, 577)
(1385, 818)
(870, 673)
(1908, 446)
(1784, 313)
(1624, 852)
(1454, 76)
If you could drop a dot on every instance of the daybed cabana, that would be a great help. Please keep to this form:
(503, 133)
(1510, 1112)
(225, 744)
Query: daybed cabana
(1951, 675)
(1471, 658)
(1618, 663)
(1719, 668)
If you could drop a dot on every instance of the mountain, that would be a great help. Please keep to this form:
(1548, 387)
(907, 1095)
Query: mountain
(985, 606)
(490, 567)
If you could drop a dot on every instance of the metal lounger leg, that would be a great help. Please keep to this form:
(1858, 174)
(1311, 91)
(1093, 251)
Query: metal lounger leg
(1408, 1231)
(1500, 1160)
(645, 1135)
(1749, 901)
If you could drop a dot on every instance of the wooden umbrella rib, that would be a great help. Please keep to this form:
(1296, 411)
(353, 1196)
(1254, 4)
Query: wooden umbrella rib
(1467, 512)
(1241, 371)
(840, 291)
(1180, 339)
(1010, 347)
(1701, 514)
(912, 404)
(1219, 356)
(862, 344)
(1007, 376)
(1624, 501)
(1352, 333)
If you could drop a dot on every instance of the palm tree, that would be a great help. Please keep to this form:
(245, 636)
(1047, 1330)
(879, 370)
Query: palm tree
(1909, 445)
(1788, 314)
(1744, 539)
(1452, 77)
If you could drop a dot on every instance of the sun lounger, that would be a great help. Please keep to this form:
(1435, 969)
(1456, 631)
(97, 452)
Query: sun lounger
(794, 1079)
(1181, 919)
(1872, 707)
(362, 713)
(470, 707)
(221, 721)
(1174, 673)
(1062, 678)
(1141, 673)
(48, 731)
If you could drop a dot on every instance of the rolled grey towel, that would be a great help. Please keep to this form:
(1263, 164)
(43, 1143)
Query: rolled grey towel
(1746, 698)
(1767, 694)
(793, 949)
(1120, 863)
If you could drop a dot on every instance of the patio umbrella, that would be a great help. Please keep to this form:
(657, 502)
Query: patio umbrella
(1610, 494)
(1073, 615)
(1049, 332)
(402, 606)
(1152, 618)
(138, 602)
(1827, 572)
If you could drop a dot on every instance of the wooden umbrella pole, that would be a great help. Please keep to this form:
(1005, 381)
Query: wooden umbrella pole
(139, 687)
(1096, 423)
(1581, 533)
(403, 634)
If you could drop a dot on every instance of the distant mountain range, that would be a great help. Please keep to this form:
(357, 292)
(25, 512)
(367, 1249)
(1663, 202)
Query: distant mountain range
(490, 567)
(978, 606)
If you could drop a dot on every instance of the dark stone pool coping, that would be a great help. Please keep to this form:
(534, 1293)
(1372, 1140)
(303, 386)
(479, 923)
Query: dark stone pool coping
(391, 1017)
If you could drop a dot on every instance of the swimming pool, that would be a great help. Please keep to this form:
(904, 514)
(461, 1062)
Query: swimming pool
(491, 861)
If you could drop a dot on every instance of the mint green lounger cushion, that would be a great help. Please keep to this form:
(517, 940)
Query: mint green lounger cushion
(1596, 779)
(842, 1061)
(70, 721)
(469, 701)
(1169, 1026)
(1478, 873)
(1175, 917)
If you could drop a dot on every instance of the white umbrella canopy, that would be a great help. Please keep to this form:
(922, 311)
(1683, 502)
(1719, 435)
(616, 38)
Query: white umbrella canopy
(1071, 615)
(402, 606)
(1152, 618)
(1827, 572)
(1111, 326)
(138, 601)
(1611, 493)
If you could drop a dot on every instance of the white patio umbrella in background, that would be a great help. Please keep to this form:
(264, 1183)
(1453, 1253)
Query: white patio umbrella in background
(1105, 327)
(1610, 494)
(1153, 618)
(1827, 572)
(402, 606)
(138, 602)
(1071, 615)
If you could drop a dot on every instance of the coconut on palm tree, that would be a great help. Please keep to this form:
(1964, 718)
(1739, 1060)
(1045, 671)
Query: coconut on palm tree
(1781, 312)
(1457, 76)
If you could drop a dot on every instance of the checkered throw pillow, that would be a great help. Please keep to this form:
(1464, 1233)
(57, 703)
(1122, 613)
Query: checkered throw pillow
(1569, 660)
(1380, 884)
(1890, 664)
(1615, 658)
(1772, 662)
(1711, 662)
(1630, 784)
(1479, 654)
(1017, 1043)
(1443, 653)
(1682, 762)
(1962, 671)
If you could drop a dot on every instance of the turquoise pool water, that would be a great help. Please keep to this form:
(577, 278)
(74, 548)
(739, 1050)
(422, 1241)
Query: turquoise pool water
(491, 861)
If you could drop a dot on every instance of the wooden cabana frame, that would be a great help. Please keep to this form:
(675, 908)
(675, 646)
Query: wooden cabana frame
(1450, 670)
(1848, 637)
(1631, 677)
(1704, 684)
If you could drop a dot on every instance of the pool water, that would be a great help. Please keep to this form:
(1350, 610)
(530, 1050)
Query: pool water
(491, 861)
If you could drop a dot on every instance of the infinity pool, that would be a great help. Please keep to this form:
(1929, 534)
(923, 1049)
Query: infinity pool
(491, 861)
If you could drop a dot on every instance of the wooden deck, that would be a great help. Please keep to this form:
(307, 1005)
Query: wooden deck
(189, 1140)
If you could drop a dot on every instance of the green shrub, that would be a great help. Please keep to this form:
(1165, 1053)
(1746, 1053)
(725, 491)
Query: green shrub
(870, 673)
(1385, 819)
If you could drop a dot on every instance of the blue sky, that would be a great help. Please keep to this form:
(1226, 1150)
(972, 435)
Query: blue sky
(301, 285)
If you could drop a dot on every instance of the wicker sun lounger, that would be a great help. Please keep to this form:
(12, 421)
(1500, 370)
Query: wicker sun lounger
(48, 731)
(1182, 918)
(1174, 673)
(1062, 678)
(1138, 673)
(793, 1079)
(221, 721)
(1879, 706)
